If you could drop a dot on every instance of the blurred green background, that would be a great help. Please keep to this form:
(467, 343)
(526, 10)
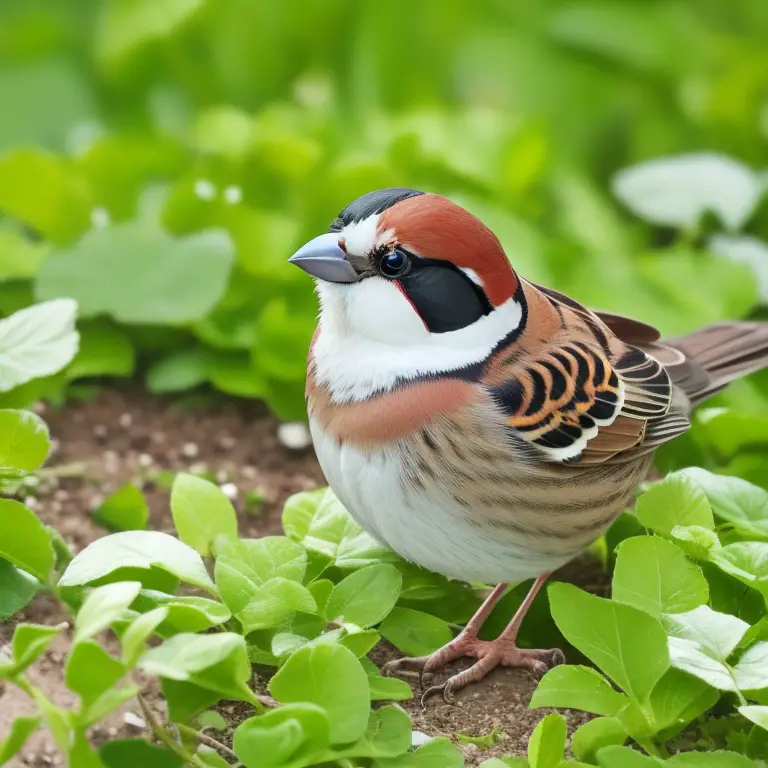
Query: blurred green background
(161, 159)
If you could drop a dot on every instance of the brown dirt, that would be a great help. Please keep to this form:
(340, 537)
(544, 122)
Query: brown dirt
(121, 437)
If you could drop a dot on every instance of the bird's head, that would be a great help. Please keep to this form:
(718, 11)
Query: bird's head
(397, 261)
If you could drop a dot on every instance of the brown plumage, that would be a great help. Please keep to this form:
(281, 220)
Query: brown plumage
(478, 424)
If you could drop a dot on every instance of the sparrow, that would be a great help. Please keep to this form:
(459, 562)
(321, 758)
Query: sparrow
(480, 425)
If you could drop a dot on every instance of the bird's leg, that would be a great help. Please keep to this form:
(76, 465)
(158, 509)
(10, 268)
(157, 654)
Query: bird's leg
(489, 654)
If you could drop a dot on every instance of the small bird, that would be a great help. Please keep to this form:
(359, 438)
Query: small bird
(480, 425)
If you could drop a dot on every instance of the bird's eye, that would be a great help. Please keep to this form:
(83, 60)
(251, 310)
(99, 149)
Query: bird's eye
(394, 264)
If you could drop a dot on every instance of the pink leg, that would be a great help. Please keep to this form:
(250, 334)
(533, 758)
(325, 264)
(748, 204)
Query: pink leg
(502, 651)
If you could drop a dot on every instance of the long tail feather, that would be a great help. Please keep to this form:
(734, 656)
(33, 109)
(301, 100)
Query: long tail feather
(717, 355)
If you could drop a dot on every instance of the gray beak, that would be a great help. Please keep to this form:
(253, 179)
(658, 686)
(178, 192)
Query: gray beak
(322, 258)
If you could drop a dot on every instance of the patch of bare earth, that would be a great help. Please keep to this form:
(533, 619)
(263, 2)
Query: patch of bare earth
(121, 437)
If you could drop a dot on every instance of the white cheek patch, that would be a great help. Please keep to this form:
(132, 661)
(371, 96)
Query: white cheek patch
(363, 237)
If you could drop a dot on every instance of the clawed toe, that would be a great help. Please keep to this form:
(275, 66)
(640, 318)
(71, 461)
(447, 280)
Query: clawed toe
(408, 667)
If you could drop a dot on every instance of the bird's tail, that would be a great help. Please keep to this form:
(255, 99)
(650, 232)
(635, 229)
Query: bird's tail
(717, 355)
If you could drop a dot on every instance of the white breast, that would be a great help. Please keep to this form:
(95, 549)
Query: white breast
(428, 529)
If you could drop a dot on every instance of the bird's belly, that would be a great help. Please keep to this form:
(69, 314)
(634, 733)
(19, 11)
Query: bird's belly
(429, 526)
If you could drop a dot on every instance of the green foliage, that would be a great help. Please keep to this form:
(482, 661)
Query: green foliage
(124, 510)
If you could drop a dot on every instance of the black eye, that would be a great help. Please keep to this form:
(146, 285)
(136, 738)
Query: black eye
(394, 264)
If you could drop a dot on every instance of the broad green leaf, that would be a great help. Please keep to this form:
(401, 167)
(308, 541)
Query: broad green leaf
(105, 350)
(24, 441)
(625, 757)
(37, 341)
(388, 734)
(299, 511)
(758, 714)
(751, 671)
(291, 736)
(140, 550)
(124, 510)
(247, 564)
(677, 191)
(58, 720)
(627, 644)
(695, 541)
(24, 541)
(178, 372)
(90, 671)
(138, 632)
(366, 596)
(136, 273)
(735, 500)
(437, 753)
(360, 642)
(330, 677)
(576, 687)
(654, 575)
(679, 698)
(747, 561)
(29, 642)
(218, 663)
(274, 602)
(17, 589)
(321, 591)
(204, 517)
(716, 634)
(546, 747)
(103, 606)
(186, 613)
(129, 753)
(415, 633)
(389, 689)
(21, 729)
(687, 656)
(20, 256)
(108, 702)
(719, 759)
(45, 192)
(677, 501)
(186, 700)
(596, 734)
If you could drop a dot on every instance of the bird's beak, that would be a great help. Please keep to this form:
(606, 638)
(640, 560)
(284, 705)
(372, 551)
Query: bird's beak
(322, 258)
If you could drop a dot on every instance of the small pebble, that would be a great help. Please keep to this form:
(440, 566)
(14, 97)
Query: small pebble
(31, 502)
(100, 432)
(199, 468)
(249, 473)
(222, 476)
(145, 460)
(294, 435)
(112, 732)
(39, 408)
(227, 442)
(125, 420)
(190, 450)
(134, 721)
(230, 491)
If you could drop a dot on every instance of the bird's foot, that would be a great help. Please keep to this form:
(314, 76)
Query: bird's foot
(489, 654)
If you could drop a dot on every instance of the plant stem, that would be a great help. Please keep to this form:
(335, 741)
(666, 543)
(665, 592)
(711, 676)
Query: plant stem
(162, 734)
(650, 748)
(209, 741)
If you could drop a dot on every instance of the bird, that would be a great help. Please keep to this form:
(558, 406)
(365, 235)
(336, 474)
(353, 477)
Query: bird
(480, 425)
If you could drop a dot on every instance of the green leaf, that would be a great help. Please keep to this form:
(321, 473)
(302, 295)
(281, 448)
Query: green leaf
(248, 564)
(626, 644)
(103, 606)
(21, 729)
(415, 633)
(137, 273)
(366, 596)
(359, 642)
(218, 663)
(756, 713)
(289, 737)
(388, 734)
(178, 372)
(124, 510)
(596, 734)
(20, 256)
(747, 561)
(29, 642)
(437, 753)
(24, 441)
(24, 540)
(484, 742)
(186, 700)
(37, 341)
(716, 634)
(695, 541)
(688, 657)
(57, 719)
(128, 753)
(576, 687)
(331, 677)
(677, 501)
(546, 747)
(45, 192)
(735, 500)
(719, 759)
(17, 589)
(389, 689)
(679, 698)
(321, 591)
(105, 350)
(655, 576)
(90, 671)
(186, 613)
(136, 549)
(108, 702)
(624, 757)
(275, 602)
(204, 517)
(138, 632)
(751, 671)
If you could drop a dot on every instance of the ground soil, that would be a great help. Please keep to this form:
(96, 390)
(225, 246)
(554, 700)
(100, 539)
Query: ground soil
(120, 437)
